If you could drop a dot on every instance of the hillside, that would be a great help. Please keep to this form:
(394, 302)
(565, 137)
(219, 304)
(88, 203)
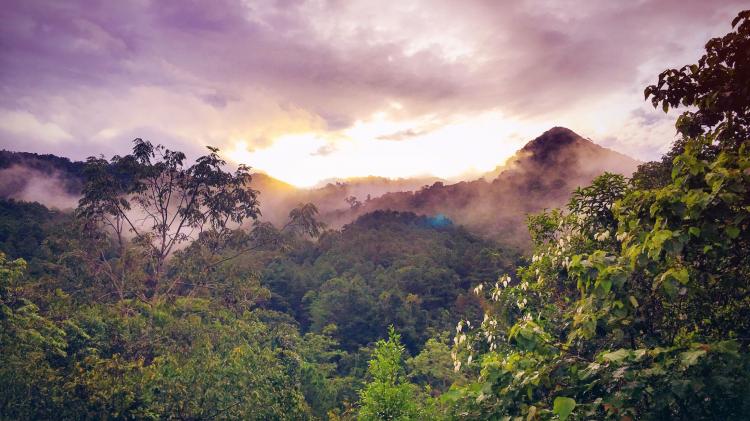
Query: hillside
(393, 268)
(540, 175)
(52, 180)
(332, 197)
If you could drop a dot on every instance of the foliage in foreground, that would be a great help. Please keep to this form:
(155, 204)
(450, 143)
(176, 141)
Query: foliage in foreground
(645, 319)
(635, 304)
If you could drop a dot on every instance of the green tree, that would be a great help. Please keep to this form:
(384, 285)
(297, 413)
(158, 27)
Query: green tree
(718, 87)
(31, 345)
(325, 389)
(646, 320)
(348, 304)
(433, 366)
(389, 395)
(152, 195)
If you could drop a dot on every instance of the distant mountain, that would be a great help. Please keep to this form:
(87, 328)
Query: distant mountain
(333, 197)
(540, 175)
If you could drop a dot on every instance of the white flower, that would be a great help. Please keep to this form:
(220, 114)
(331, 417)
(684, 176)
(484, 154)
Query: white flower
(468, 361)
(602, 236)
(506, 280)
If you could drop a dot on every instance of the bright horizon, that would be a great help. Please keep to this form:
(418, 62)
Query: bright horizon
(307, 91)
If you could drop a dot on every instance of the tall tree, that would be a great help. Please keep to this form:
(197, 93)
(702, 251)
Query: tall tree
(389, 396)
(717, 88)
(154, 197)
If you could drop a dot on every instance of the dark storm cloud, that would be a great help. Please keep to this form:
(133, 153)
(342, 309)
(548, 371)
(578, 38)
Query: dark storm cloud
(337, 61)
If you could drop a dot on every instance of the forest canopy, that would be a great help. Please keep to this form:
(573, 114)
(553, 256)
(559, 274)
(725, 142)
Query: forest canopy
(164, 296)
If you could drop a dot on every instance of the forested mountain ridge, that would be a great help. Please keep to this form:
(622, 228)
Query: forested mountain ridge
(539, 176)
(386, 268)
(332, 198)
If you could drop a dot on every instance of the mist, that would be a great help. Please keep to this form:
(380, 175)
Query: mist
(51, 189)
(539, 176)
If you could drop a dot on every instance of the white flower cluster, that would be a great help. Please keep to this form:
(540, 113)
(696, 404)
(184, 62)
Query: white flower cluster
(478, 289)
(489, 328)
(602, 236)
(501, 283)
(505, 279)
(460, 326)
(459, 340)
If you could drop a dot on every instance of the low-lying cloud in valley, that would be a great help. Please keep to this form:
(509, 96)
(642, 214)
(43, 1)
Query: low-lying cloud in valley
(51, 189)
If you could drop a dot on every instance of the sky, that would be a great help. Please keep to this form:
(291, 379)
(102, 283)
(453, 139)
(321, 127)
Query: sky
(311, 90)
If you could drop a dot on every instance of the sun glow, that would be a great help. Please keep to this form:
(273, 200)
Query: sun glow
(385, 147)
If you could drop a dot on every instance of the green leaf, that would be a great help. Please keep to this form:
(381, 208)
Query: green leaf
(681, 276)
(669, 288)
(563, 407)
(605, 285)
(616, 356)
(689, 358)
(732, 231)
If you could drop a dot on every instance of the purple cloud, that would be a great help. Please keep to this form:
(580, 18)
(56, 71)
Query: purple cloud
(207, 71)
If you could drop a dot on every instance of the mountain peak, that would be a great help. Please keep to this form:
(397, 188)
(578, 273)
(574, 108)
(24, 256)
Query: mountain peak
(553, 142)
(554, 138)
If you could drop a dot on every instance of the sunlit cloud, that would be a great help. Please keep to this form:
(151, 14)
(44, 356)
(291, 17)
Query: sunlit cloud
(477, 144)
(310, 90)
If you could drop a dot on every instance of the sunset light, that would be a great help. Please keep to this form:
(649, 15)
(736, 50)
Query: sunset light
(375, 210)
(390, 149)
